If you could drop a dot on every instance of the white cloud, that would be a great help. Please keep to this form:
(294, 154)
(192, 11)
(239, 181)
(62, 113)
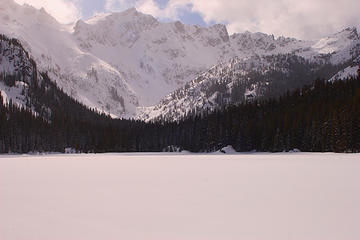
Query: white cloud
(119, 5)
(305, 19)
(171, 11)
(64, 11)
(302, 19)
(149, 7)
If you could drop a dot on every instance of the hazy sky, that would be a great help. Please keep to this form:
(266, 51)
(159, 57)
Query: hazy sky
(305, 19)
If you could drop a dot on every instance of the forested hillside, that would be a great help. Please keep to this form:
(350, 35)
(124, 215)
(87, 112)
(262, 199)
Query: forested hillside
(322, 117)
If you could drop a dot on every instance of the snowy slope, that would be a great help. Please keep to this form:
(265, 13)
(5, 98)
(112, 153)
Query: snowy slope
(157, 58)
(351, 71)
(233, 82)
(342, 46)
(246, 78)
(53, 47)
(336, 48)
(153, 58)
(117, 62)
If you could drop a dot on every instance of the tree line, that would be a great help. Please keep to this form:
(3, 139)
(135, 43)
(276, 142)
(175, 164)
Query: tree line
(318, 118)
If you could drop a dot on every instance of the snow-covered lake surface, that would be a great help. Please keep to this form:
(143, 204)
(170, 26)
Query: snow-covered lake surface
(296, 196)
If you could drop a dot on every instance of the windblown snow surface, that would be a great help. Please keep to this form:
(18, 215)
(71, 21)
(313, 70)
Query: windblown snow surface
(180, 197)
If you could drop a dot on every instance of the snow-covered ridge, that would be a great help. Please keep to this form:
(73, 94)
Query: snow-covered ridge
(117, 62)
(336, 42)
(351, 71)
(342, 46)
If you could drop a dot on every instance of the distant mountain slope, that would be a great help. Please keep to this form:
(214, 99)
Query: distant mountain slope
(243, 79)
(350, 71)
(120, 61)
(237, 81)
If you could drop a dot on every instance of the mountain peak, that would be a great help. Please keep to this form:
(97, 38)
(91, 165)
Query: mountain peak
(350, 29)
(345, 39)
(13, 13)
(222, 30)
(354, 33)
(132, 11)
(349, 32)
(116, 18)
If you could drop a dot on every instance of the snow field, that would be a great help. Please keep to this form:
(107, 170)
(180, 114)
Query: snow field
(168, 196)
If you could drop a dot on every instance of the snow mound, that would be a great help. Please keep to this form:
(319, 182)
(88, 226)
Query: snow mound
(351, 71)
(227, 150)
(295, 150)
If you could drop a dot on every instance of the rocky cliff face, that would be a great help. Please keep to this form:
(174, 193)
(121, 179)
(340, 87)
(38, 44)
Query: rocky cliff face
(17, 72)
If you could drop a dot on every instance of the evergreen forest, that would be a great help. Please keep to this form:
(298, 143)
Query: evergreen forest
(322, 117)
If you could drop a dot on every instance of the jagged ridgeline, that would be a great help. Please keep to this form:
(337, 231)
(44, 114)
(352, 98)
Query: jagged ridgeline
(322, 117)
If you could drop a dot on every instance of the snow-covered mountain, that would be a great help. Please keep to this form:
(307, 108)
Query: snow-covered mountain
(121, 62)
(237, 81)
(52, 45)
(261, 75)
(153, 58)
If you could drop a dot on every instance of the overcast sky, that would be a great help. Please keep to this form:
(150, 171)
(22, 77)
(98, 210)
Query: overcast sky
(304, 19)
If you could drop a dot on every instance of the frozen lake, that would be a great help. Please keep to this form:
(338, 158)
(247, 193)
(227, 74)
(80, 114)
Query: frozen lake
(180, 197)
